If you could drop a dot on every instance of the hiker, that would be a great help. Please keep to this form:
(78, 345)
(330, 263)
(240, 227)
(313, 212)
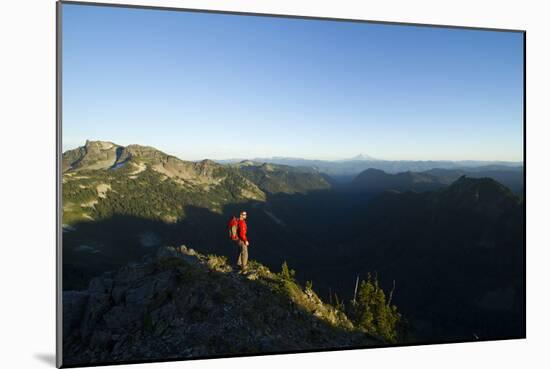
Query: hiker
(237, 233)
(242, 242)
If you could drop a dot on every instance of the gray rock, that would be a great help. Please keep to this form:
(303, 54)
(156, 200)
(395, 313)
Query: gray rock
(163, 317)
(167, 251)
(100, 285)
(74, 303)
(124, 319)
(119, 294)
(98, 304)
(133, 272)
(140, 295)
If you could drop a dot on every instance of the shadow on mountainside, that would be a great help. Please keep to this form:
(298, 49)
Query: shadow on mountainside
(290, 228)
(456, 256)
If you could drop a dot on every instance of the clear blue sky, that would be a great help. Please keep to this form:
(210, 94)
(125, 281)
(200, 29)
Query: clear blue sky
(221, 86)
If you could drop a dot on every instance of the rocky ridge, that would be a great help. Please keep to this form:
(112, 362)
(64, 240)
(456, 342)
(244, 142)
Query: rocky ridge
(181, 304)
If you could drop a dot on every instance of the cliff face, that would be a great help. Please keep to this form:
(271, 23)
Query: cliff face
(180, 304)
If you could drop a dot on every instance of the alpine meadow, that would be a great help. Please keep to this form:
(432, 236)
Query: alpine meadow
(217, 198)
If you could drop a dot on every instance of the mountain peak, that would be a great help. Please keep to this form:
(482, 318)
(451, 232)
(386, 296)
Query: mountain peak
(479, 190)
(362, 156)
(102, 145)
(466, 182)
(208, 162)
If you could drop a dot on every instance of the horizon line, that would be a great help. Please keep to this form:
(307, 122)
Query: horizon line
(282, 157)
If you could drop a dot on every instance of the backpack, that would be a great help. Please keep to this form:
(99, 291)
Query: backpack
(232, 227)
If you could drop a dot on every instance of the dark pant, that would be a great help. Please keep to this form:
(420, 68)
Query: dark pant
(242, 258)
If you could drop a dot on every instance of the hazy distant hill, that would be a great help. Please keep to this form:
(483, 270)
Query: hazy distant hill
(347, 169)
(375, 180)
(276, 178)
(511, 177)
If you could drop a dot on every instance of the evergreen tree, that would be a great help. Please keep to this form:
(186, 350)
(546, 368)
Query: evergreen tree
(373, 314)
(286, 272)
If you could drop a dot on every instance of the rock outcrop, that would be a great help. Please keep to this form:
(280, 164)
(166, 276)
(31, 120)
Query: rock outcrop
(180, 304)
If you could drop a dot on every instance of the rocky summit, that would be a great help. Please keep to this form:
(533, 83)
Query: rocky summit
(181, 304)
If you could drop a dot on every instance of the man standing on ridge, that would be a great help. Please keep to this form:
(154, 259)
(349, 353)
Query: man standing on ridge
(242, 259)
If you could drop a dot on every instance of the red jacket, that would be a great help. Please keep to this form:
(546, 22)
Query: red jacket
(242, 230)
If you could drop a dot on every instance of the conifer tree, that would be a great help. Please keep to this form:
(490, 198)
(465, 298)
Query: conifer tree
(373, 314)
(286, 273)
